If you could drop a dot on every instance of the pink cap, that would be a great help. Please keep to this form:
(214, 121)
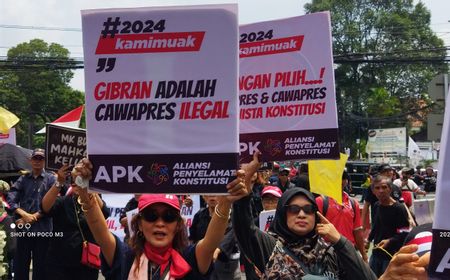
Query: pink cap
(275, 191)
(149, 199)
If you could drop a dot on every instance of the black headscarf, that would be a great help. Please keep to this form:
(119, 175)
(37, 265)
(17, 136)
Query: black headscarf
(279, 225)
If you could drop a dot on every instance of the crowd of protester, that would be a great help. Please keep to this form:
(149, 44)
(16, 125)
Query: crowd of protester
(311, 236)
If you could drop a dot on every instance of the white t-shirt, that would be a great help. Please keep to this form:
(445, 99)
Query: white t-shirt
(412, 186)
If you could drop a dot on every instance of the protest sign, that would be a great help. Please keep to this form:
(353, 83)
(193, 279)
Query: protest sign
(9, 137)
(188, 212)
(161, 106)
(64, 145)
(287, 96)
(130, 214)
(439, 267)
(115, 204)
(265, 219)
(424, 210)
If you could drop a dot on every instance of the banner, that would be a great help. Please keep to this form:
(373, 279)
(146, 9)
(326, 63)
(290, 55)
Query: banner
(386, 145)
(265, 219)
(64, 145)
(9, 137)
(423, 210)
(161, 106)
(440, 249)
(287, 94)
(115, 204)
(188, 212)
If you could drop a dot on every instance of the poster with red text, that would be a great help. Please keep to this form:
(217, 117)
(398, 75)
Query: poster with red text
(161, 106)
(287, 94)
(9, 137)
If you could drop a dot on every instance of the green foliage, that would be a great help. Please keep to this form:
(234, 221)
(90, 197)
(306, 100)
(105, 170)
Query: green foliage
(386, 54)
(35, 87)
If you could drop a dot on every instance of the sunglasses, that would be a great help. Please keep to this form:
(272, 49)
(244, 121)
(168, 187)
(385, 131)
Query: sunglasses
(168, 216)
(38, 158)
(295, 209)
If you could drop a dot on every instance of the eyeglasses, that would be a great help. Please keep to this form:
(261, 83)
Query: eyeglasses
(168, 216)
(295, 209)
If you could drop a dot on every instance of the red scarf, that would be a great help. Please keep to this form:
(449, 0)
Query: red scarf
(178, 266)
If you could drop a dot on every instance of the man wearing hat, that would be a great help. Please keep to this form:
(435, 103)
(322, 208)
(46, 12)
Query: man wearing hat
(24, 199)
(408, 186)
(283, 180)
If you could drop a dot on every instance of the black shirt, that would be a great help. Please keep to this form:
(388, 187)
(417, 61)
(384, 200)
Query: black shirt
(391, 222)
(66, 245)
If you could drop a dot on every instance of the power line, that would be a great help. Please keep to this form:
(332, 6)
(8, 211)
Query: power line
(13, 26)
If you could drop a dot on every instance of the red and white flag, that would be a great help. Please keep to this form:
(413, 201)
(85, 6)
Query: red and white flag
(71, 119)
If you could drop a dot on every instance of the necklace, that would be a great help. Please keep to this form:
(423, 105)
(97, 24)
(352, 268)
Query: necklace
(79, 200)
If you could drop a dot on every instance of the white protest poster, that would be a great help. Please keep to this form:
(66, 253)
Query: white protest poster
(130, 214)
(439, 267)
(9, 137)
(161, 98)
(188, 212)
(423, 210)
(287, 94)
(115, 204)
(265, 219)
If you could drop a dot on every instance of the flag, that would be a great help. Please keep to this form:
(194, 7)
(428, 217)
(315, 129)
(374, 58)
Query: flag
(413, 148)
(325, 177)
(7, 120)
(439, 267)
(71, 119)
(414, 153)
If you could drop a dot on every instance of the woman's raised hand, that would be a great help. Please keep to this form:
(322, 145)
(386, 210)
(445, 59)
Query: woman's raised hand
(236, 189)
(83, 169)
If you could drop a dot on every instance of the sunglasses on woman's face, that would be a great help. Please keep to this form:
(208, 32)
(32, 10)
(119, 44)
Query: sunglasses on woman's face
(168, 216)
(295, 209)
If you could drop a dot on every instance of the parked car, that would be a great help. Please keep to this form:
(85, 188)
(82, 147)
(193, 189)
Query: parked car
(357, 171)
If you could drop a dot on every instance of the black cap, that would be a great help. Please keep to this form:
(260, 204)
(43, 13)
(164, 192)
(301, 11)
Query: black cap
(284, 171)
(384, 167)
(38, 153)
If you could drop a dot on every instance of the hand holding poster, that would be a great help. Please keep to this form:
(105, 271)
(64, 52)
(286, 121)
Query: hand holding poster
(287, 97)
(161, 106)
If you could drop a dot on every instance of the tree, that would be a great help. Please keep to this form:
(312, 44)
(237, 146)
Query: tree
(386, 54)
(34, 84)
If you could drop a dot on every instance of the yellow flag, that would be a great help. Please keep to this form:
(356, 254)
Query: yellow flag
(325, 177)
(7, 120)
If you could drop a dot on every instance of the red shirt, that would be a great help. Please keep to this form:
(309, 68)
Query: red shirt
(407, 198)
(342, 216)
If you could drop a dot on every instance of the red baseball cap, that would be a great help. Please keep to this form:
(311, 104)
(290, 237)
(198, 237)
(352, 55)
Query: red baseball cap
(149, 199)
(275, 191)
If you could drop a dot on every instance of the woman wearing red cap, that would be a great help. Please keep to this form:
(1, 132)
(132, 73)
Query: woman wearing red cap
(159, 247)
